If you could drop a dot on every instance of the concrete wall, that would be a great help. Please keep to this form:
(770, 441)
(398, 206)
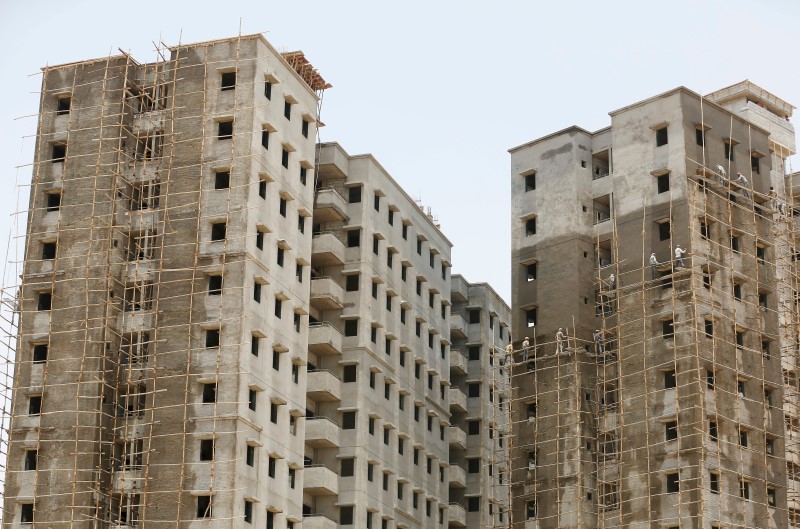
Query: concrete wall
(637, 356)
(480, 346)
(93, 272)
(397, 356)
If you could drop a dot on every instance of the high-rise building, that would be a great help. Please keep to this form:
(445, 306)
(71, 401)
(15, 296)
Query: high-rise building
(223, 323)
(380, 335)
(163, 310)
(661, 247)
(480, 407)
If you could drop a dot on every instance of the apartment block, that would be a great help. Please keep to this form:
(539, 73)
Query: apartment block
(480, 407)
(223, 323)
(163, 312)
(380, 336)
(661, 247)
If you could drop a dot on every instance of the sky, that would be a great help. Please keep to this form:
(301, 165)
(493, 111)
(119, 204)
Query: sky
(436, 91)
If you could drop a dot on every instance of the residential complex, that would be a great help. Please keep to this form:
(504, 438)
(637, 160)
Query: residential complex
(480, 406)
(662, 246)
(223, 323)
(380, 296)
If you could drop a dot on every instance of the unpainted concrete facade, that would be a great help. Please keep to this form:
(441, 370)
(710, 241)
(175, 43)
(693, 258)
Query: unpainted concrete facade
(480, 407)
(162, 343)
(387, 270)
(665, 367)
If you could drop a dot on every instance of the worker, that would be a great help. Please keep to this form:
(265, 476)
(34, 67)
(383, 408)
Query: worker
(722, 175)
(782, 209)
(598, 341)
(679, 253)
(654, 265)
(612, 281)
(773, 198)
(509, 353)
(526, 343)
(742, 181)
(560, 336)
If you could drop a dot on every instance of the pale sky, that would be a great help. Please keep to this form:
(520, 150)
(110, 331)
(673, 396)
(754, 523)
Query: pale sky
(436, 91)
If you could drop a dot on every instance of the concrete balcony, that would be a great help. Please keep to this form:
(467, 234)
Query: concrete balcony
(458, 400)
(456, 515)
(333, 162)
(148, 121)
(792, 494)
(322, 432)
(326, 294)
(458, 477)
(457, 437)
(320, 481)
(318, 521)
(127, 481)
(458, 327)
(132, 427)
(459, 290)
(326, 250)
(324, 339)
(324, 386)
(330, 206)
(458, 362)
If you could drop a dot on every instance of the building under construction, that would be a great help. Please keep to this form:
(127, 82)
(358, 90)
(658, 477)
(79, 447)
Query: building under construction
(663, 248)
(222, 322)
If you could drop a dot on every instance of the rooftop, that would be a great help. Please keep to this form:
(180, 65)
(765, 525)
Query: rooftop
(752, 92)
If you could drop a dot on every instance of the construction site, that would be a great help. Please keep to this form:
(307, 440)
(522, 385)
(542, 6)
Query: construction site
(221, 321)
(664, 255)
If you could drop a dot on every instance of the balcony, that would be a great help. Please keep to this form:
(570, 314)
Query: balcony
(793, 494)
(132, 427)
(318, 521)
(458, 327)
(320, 481)
(326, 294)
(456, 437)
(330, 206)
(458, 362)
(127, 481)
(601, 164)
(459, 290)
(458, 401)
(457, 515)
(602, 209)
(321, 432)
(324, 386)
(458, 477)
(324, 339)
(326, 250)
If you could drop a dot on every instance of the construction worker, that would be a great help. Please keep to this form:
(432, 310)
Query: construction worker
(598, 341)
(560, 340)
(525, 346)
(742, 181)
(679, 253)
(773, 198)
(722, 175)
(612, 281)
(509, 353)
(654, 265)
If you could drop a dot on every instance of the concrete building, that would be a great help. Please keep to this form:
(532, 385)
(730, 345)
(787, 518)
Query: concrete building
(663, 406)
(164, 300)
(222, 323)
(479, 406)
(380, 297)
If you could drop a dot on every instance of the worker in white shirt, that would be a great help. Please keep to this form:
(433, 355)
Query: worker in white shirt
(679, 253)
